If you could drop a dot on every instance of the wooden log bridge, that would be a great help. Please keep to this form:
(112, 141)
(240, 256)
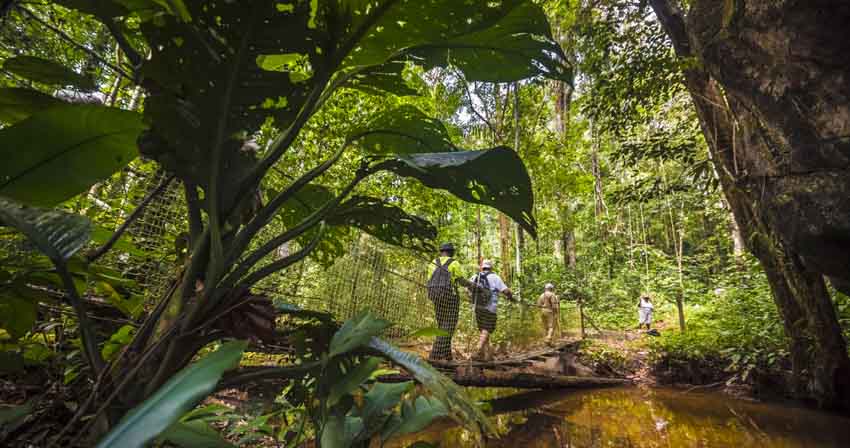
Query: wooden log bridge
(512, 372)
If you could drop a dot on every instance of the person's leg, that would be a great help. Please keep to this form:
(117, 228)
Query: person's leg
(549, 325)
(446, 310)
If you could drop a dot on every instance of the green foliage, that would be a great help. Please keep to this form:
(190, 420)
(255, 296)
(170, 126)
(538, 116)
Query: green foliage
(734, 337)
(173, 399)
(356, 332)
(18, 103)
(56, 234)
(492, 177)
(61, 151)
(385, 222)
(46, 72)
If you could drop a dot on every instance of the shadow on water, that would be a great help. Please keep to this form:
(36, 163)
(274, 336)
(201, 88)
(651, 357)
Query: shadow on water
(637, 417)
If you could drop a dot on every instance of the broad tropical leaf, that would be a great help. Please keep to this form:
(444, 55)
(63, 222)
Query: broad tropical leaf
(352, 380)
(494, 177)
(18, 103)
(384, 78)
(180, 394)
(518, 46)
(356, 332)
(380, 400)
(403, 130)
(340, 431)
(491, 41)
(460, 406)
(194, 433)
(221, 76)
(17, 315)
(61, 151)
(416, 416)
(56, 234)
(46, 72)
(385, 222)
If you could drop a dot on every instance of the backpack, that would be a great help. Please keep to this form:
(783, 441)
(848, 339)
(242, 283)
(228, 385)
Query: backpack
(440, 284)
(481, 293)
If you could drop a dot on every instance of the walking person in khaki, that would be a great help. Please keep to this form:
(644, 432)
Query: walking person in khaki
(550, 310)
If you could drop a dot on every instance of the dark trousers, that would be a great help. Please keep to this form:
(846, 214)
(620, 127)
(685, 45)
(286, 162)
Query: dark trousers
(446, 308)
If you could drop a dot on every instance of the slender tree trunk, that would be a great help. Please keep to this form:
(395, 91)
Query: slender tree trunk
(505, 245)
(738, 245)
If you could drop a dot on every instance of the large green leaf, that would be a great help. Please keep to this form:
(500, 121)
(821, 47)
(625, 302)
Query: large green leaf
(381, 399)
(384, 78)
(56, 234)
(17, 103)
(460, 406)
(46, 72)
(17, 315)
(356, 332)
(352, 380)
(518, 46)
(340, 431)
(495, 177)
(385, 222)
(180, 394)
(62, 151)
(490, 40)
(416, 416)
(221, 76)
(403, 130)
(194, 433)
(107, 9)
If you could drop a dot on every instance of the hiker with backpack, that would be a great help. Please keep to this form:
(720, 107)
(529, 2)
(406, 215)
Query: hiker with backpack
(442, 291)
(484, 291)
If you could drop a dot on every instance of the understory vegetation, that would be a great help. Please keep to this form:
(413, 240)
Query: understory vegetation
(203, 202)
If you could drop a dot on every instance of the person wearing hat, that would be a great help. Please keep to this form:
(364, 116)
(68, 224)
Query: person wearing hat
(549, 307)
(442, 291)
(486, 305)
(645, 308)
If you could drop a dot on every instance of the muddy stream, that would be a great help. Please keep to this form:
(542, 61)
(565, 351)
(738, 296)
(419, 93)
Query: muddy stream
(641, 417)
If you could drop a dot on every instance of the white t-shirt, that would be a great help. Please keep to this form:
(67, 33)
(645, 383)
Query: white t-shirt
(643, 302)
(497, 285)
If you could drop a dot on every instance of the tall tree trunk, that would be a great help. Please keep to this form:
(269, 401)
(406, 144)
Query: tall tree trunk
(738, 245)
(505, 246)
(734, 142)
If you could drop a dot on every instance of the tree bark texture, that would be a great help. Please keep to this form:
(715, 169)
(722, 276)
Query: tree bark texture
(787, 62)
(762, 167)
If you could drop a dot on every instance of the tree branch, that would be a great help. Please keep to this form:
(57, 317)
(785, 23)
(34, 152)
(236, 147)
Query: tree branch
(79, 46)
(131, 53)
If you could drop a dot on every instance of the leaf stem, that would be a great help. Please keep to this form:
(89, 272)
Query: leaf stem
(86, 331)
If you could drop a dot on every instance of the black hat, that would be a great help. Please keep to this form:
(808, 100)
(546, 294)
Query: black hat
(447, 247)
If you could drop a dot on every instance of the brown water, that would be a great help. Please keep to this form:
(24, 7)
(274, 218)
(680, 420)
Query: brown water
(636, 417)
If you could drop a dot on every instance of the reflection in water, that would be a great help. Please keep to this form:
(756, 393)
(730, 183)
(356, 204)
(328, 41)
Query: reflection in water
(632, 417)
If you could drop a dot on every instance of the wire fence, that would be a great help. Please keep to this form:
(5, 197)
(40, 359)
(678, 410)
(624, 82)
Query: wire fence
(370, 275)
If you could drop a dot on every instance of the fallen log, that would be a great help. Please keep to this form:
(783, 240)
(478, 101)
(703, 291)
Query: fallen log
(520, 380)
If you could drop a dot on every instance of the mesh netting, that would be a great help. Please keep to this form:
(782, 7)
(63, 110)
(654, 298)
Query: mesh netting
(390, 282)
